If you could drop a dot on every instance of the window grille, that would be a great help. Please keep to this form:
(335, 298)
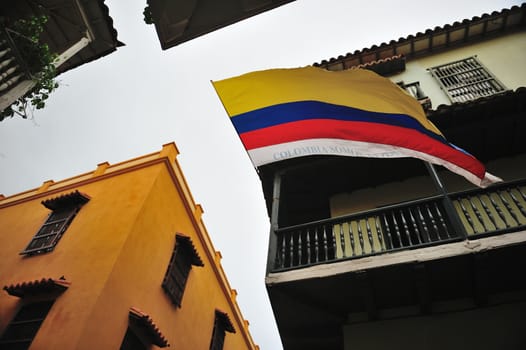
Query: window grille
(466, 80)
(23, 328)
(183, 257)
(65, 208)
(222, 324)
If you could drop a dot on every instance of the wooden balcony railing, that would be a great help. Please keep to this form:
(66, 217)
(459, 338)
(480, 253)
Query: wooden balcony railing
(409, 225)
(12, 67)
(500, 209)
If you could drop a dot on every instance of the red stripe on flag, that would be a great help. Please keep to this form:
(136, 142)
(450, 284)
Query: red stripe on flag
(360, 131)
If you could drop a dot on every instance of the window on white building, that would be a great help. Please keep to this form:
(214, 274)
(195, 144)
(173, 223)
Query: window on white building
(466, 80)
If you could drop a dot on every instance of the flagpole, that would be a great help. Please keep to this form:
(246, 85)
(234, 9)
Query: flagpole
(448, 203)
(435, 178)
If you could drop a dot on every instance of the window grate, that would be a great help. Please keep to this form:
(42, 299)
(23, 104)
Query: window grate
(466, 80)
(25, 325)
(64, 209)
(183, 257)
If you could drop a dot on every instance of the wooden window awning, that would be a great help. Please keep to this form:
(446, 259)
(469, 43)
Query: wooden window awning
(72, 199)
(37, 287)
(187, 243)
(145, 322)
(225, 321)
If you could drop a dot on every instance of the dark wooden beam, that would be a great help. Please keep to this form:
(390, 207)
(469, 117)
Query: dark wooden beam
(367, 291)
(480, 278)
(336, 314)
(423, 291)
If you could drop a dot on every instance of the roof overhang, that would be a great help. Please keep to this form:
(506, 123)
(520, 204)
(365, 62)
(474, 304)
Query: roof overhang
(179, 21)
(68, 22)
(37, 287)
(436, 40)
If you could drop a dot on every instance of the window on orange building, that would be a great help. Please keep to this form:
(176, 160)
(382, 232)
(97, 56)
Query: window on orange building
(222, 324)
(20, 333)
(64, 209)
(142, 332)
(132, 341)
(183, 257)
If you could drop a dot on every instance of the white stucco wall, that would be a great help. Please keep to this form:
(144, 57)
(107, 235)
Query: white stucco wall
(504, 57)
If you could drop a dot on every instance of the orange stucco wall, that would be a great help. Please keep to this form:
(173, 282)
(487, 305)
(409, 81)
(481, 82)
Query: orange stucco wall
(115, 254)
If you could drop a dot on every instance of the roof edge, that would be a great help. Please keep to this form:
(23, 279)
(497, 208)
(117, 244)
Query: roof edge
(406, 47)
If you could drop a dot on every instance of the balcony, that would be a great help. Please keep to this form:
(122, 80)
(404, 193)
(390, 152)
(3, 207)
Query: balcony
(13, 69)
(78, 32)
(360, 247)
(416, 224)
(416, 91)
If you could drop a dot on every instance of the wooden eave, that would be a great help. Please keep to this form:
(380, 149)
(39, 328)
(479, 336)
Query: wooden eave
(438, 39)
(66, 26)
(187, 242)
(66, 200)
(179, 21)
(225, 320)
(37, 287)
(383, 66)
(146, 323)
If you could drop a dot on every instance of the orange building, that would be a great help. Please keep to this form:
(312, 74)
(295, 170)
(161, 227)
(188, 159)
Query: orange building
(117, 258)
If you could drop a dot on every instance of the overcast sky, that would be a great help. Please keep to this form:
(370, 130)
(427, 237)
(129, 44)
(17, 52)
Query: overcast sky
(133, 101)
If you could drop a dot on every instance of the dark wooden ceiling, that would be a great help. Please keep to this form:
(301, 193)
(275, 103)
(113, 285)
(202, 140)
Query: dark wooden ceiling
(311, 313)
(66, 26)
(179, 21)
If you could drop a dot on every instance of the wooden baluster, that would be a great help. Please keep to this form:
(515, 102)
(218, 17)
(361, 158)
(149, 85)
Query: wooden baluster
(488, 212)
(316, 246)
(508, 206)
(300, 248)
(415, 226)
(397, 230)
(282, 251)
(325, 245)
(433, 222)
(342, 240)
(291, 249)
(466, 214)
(422, 221)
(369, 234)
(522, 193)
(388, 232)
(406, 228)
(477, 213)
(309, 248)
(351, 239)
(517, 203)
(379, 233)
(360, 237)
(441, 221)
(333, 243)
(499, 210)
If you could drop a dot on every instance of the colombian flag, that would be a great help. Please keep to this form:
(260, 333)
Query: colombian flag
(286, 113)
